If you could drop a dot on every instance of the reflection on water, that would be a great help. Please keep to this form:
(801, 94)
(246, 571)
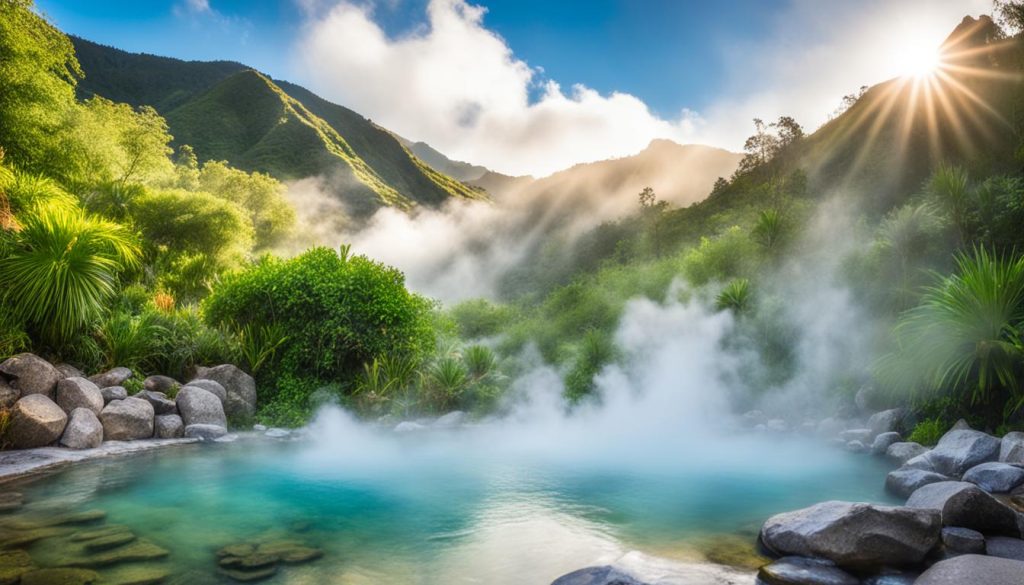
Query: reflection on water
(426, 517)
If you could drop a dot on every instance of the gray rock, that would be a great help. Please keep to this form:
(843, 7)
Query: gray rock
(961, 425)
(205, 432)
(276, 433)
(974, 570)
(114, 377)
(854, 534)
(960, 450)
(30, 374)
(804, 571)
(210, 386)
(965, 504)
(69, 371)
(8, 395)
(408, 427)
(906, 480)
(856, 447)
(168, 426)
(881, 444)
(892, 578)
(113, 393)
(127, 420)
(862, 435)
(200, 407)
(83, 431)
(921, 462)
(995, 477)
(259, 428)
(886, 421)
(454, 418)
(161, 403)
(164, 384)
(240, 387)
(904, 451)
(1005, 547)
(35, 421)
(1011, 448)
(75, 393)
(963, 540)
(606, 575)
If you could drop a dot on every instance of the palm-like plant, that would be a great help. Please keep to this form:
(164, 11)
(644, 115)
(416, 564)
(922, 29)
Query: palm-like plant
(965, 336)
(29, 193)
(769, 229)
(735, 297)
(449, 378)
(949, 188)
(127, 340)
(258, 344)
(480, 361)
(62, 266)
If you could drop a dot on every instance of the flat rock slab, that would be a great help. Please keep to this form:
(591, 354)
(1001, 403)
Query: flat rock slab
(60, 577)
(804, 571)
(15, 464)
(140, 550)
(974, 569)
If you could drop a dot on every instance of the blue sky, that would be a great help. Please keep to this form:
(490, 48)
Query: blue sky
(532, 86)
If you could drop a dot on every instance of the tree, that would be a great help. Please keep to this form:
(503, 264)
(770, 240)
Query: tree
(949, 189)
(651, 211)
(768, 142)
(260, 195)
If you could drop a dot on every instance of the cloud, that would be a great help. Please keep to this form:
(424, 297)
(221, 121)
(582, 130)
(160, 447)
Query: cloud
(194, 7)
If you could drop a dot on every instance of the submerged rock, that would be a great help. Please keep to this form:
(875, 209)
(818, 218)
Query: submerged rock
(973, 569)
(14, 564)
(606, 575)
(276, 433)
(60, 577)
(114, 377)
(995, 477)
(127, 420)
(854, 534)
(964, 504)
(30, 374)
(10, 501)
(134, 574)
(139, 550)
(906, 480)
(83, 431)
(35, 421)
(245, 576)
(75, 393)
(963, 540)
(804, 571)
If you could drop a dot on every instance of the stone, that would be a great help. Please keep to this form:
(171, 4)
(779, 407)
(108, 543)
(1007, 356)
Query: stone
(133, 574)
(249, 576)
(111, 393)
(164, 384)
(14, 564)
(137, 551)
(885, 421)
(854, 534)
(240, 387)
(259, 428)
(30, 374)
(127, 420)
(277, 433)
(904, 451)
(1004, 547)
(856, 447)
(891, 578)
(168, 426)
(961, 425)
(8, 395)
(906, 480)
(961, 449)
(453, 419)
(200, 407)
(83, 431)
(973, 569)
(408, 427)
(161, 404)
(249, 562)
(1011, 448)
(995, 477)
(75, 393)
(212, 387)
(963, 540)
(205, 432)
(12, 539)
(60, 577)
(36, 421)
(112, 540)
(804, 571)
(881, 444)
(862, 435)
(10, 501)
(84, 535)
(237, 550)
(69, 371)
(965, 504)
(69, 519)
(114, 377)
(606, 575)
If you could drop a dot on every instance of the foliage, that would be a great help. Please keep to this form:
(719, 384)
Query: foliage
(260, 195)
(735, 297)
(258, 344)
(928, 432)
(479, 318)
(127, 340)
(769, 229)
(949, 191)
(595, 352)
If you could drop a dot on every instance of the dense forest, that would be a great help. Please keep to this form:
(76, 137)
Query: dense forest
(122, 245)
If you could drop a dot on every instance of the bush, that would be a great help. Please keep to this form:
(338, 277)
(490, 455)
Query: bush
(928, 432)
(478, 318)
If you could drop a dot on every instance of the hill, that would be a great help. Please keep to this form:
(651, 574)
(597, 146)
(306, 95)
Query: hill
(227, 111)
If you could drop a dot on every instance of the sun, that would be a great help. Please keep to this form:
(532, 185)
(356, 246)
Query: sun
(919, 60)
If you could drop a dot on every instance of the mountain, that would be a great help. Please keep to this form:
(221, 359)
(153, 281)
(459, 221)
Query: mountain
(462, 171)
(227, 111)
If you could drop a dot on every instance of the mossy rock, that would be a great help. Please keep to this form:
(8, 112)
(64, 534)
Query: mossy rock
(11, 501)
(84, 535)
(140, 550)
(88, 517)
(733, 551)
(135, 575)
(249, 576)
(14, 564)
(60, 577)
(236, 550)
(10, 539)
(110, 541)
(249, 562)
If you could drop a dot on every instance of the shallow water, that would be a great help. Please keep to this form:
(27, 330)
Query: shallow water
(428, 513)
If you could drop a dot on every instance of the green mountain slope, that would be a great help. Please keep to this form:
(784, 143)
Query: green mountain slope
(226, 111)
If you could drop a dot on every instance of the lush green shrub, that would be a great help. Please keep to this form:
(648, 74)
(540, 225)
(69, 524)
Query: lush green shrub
(596, 350)
(479, 318)
(736, 296)
(928, 432)
(727, 256)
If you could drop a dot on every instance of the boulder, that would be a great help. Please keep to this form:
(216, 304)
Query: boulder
(168, 426)
(35, 421)
(127, 420)
(161, 403)
(995, 477)
(961, 449)
(113, 393)
(83, 431)
(212, 387)
(200, 407)
(1005, 547)
(885, 421)
(276, 433)
(165, 384)
(64, 576)
(862, 435)
(960, 425)
(240, 387)
(854, 534)
(881, 444)
(1011, 448)
(8, 395)
(963, 540)
(856, 447)
(114, 377)
(30, 374)
(904, 451)
(891, 577)
(973, 569)
(69, 371)
(965, 504)
(408, 426)
(906, 480)
(75, 393)
(804, 571)
(205, 432)
(606, 575)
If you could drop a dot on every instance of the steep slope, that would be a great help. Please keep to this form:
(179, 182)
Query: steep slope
(226, 111)
(462, 171)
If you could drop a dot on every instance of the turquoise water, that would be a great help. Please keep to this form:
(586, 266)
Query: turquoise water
(450, 507)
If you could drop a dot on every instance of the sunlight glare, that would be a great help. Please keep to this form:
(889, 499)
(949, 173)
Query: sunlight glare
(919, 60)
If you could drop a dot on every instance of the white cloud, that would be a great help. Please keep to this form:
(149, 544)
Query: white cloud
(459, 86)
(197, 6)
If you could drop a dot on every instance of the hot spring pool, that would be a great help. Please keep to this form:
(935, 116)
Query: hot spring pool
(444, 507)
